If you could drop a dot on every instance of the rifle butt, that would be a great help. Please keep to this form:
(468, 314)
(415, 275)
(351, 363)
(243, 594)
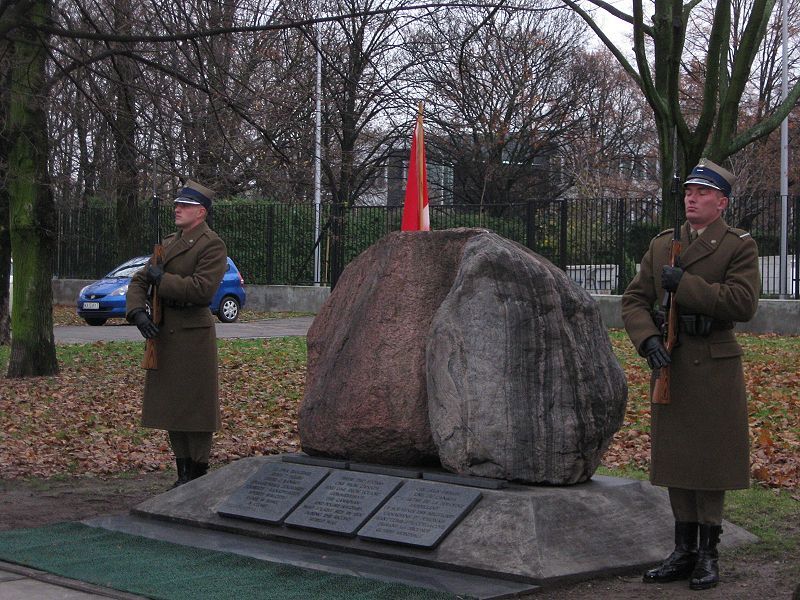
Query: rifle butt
(150, 360)
(661, 388)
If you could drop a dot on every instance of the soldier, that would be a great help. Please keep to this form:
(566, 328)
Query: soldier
(700, 441)
(182, 395)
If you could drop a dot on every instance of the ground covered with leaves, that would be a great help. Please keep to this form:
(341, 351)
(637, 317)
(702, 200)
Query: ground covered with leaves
(85, 420)
(71, 447)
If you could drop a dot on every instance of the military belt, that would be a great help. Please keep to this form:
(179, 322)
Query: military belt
(174, 304)
(701, 325)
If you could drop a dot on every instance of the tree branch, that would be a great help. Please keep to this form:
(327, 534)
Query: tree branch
(604, 38)
(766, 126)
(214, 31)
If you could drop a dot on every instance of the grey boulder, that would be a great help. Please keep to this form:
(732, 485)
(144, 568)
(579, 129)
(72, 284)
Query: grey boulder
(522, 380)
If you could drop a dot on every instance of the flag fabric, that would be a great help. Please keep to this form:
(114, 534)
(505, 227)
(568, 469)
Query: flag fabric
(415, 211)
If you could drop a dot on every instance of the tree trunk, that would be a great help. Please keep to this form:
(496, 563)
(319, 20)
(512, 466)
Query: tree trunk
(126, 184)
(32, 210)
(5, 240)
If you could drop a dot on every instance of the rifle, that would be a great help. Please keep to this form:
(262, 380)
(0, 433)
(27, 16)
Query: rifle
(661, 392)
(150, 360)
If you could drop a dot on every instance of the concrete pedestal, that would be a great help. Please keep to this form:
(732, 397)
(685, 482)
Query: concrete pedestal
(534, 535)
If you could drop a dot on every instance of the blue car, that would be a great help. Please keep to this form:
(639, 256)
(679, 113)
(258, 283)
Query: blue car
(105, 299)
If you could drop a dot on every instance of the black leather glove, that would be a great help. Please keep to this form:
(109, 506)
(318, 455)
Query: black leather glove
(145, 324)
(671, 277)
(655, 352)
(153, 273)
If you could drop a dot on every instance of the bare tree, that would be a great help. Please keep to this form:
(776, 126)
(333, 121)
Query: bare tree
(717, 131)
(364, 92)
(613, 153)
(502, 93)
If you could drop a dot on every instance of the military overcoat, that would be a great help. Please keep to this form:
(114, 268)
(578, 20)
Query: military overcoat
(700, 441)
(183, 393)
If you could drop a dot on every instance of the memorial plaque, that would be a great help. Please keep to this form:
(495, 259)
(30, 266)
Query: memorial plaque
(272, 492)
(343, 502)
(420, 514)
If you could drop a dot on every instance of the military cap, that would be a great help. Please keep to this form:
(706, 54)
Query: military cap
(195, 193)
(712, 175)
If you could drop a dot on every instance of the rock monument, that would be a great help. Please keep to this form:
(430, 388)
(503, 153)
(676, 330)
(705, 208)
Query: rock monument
(464, 348)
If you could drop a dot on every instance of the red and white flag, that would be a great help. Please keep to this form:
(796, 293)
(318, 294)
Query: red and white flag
(415, 211)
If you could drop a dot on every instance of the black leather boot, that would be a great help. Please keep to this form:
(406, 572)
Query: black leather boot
(198, 470)
(679, 564)
(706, 571)
(184, 470)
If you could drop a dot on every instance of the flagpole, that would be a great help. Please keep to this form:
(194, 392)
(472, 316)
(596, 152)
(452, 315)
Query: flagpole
(420, 166)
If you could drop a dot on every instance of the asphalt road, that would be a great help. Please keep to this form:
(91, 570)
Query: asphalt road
(112, 331)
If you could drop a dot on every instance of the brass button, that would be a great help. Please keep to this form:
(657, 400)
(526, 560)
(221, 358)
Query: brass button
(696, 361)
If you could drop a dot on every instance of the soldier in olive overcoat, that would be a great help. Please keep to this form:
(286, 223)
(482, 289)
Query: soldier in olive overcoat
(700, 440)
(182, 394)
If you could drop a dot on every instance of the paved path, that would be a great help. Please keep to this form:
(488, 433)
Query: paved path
(21, 583)
(113, 331)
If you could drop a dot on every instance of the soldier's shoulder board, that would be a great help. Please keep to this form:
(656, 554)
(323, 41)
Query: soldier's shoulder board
(740, 233)
(665, 232)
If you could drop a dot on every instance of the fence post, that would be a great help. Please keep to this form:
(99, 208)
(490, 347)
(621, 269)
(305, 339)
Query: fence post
(337, 242)
(530, 230)
(270, 244)
(562, 242)
(796, 217)
(622, 279)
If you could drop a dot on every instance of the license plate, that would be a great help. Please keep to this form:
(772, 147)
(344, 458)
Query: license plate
(91, 305)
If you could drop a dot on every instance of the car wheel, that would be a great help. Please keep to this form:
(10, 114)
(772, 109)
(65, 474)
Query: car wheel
(95, 321)
(228, 309)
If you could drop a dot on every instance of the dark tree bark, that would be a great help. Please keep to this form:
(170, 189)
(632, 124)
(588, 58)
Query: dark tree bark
(32, 211)
(5, 238)
(125, 144)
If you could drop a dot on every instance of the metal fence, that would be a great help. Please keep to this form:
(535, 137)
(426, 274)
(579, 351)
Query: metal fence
(597, 241)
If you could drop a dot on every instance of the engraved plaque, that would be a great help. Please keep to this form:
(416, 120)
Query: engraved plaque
(343, 502)
(272, 492)
(420, 514)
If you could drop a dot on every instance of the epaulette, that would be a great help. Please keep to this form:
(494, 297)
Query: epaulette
(740, 233)
(666, 231)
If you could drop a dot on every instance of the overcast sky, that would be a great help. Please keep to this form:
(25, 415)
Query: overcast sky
(614, 28)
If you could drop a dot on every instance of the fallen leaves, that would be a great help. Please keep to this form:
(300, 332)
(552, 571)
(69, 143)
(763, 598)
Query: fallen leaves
(85, 420)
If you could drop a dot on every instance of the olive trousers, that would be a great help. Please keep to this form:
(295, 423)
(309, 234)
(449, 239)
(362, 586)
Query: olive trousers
(697, 506)
(191, 444)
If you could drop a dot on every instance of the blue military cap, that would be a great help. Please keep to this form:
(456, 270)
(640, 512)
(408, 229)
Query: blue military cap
(195, 193)
(712, 175)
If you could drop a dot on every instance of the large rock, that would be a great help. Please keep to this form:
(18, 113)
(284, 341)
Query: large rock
(365, 396)
(522, 380)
